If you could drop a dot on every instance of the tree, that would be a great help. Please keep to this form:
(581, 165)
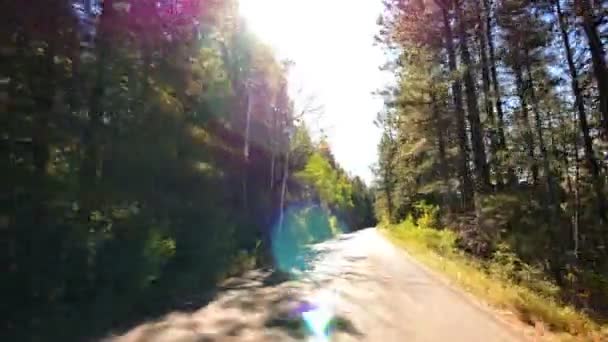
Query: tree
(582, 115)
(589, 23)
(547, 203)
(481, 166)
(467, 185)
(131, 129)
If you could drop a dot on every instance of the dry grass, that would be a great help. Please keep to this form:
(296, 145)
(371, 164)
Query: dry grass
(437, 250)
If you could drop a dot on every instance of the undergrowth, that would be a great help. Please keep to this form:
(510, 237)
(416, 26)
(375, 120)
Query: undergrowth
(503, 280)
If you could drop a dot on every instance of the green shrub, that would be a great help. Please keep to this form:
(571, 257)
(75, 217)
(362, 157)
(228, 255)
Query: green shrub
(504, 280)
(443, 242)
(426, 215)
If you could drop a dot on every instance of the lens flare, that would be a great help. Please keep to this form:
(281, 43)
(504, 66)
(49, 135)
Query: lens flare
(303, 225)
(318, 315)
(293, 252)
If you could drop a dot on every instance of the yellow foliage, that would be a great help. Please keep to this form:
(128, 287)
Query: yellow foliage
(437, 249)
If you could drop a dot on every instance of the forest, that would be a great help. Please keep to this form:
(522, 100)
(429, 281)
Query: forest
(149, 149)
(497, 125)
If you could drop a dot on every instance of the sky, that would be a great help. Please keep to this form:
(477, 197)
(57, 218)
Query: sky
(336, 63)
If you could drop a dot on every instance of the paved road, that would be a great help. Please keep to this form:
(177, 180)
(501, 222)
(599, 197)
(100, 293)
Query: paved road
(374, 290)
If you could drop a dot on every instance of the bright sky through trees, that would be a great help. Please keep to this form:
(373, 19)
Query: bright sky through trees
(331, 43)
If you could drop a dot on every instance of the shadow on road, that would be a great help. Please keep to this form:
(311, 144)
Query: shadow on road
(261, 305)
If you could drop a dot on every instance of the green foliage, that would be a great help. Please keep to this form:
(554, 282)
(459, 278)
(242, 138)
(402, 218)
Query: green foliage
(426, 215)
(507, 265)
(303, 225)
(332, 187)
(362, 213)
(484, 127)
(346, 198)
(143, 149)
(130, 177)
(504, 280)
(301, 148)
(442, 242)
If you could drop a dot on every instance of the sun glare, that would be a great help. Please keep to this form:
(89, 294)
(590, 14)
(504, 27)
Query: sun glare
(335, 61)
(269, 19)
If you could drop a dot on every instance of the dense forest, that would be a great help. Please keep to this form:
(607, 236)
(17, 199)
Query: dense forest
(148, 149)
(499, 118)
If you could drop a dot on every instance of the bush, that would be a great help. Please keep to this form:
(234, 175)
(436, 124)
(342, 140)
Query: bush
(426, 215)
(503, 279)
(443, 242)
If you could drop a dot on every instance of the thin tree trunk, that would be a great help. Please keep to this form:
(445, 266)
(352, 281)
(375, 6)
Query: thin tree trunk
(598, 58)
(582, 117)
(284, 189)
(45, 100)
(524, 123)
(482, 172)
(272, 162)
(274, 136)
(12, 233)
(389, 202)
(463, 146)
(440, 133)
(571, 198)
(500, 123)
(577, 206)
(247, 125)
(551, 200)
(485, 77)
(387, 186)
(577, 200)
(91, 136)
(44, 94)
(246, 151)
(495, 83)
(571, 194)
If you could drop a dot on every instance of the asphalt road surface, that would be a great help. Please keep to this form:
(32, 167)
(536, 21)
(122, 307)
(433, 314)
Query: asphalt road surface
(367, 288)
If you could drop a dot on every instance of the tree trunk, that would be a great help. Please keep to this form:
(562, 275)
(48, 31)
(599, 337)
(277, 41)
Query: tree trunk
(271, 177)
(273, 147)
(44, 97)
(463, 146)
(482, 181)
(582, 117)
(12, 112)
(440, 133)
(502, 143)
(284, 189)
(524, 122)
(598, 58)
(247, 125)
(91, 139)
(43, 87)
(500, 124)
(551, 198)
(244, 180)
(485, 77)
(571, 198)
(577, 205)
(388, 175)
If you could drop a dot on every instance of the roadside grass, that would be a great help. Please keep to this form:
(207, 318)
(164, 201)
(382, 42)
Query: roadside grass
(532, 298)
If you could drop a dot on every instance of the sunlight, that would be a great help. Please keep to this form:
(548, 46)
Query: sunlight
(284, 24)
(262, 19)
(335, 61)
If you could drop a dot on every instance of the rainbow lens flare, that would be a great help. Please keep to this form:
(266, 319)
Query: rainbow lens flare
(318, 315)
